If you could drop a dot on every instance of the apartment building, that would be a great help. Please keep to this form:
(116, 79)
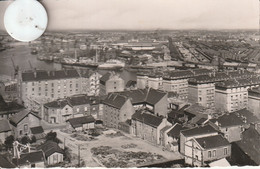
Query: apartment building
(232, 95)
(201, 90)
(111, 82)
(37, 87)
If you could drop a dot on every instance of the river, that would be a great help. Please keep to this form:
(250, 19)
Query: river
(21, 55)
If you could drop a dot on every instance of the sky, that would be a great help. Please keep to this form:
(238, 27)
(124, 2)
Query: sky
(148, 14)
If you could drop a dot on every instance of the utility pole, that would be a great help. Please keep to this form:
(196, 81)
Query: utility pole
(79, 155)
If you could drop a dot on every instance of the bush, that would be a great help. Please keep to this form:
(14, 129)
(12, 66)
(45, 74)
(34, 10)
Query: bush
(25, 140)
(33, 139)
(9, 141)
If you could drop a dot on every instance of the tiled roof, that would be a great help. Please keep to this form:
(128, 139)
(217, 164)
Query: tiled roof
(4, 126)
(37, 130)
(115, 100)
(147, 118)
(50, 147)
(153, 96)
(181, 74)
(60, 103)
(232, 83)
(79, 121)
(198, 72)
(250, 144)
(10, 106)
(105, 77)
(199, 130)
(228, 120)
(201, 79)
(248, 115)
(32, 158)
(175, 131)
(15, 119)
(212, 142)
(5, 163)
(78, 100)
(197, 109)
(40, 75)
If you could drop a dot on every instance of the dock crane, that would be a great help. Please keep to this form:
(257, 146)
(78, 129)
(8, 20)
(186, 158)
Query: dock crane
(16, 68)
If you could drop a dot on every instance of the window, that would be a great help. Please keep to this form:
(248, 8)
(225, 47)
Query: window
(209, 154)
(77, 109)
(25, 128)
(21, 132)
(86, 108)
(52, 84)
(197, 157)
(225, 151)
(214, 153)
(200, 99)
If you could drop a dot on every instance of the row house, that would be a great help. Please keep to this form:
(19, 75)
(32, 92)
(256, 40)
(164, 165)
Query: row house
(233, 124)
(170, 137)
(201, 151)
(59, 111)
(47, 86)
(148, 126)
(153, 100)
(116, 108)
(111, 82)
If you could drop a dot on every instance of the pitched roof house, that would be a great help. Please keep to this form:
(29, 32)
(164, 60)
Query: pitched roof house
(203, 150)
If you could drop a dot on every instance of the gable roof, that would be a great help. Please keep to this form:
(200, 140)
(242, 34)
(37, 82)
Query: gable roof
(248, 115)
(212, 141)
(5, 163)
(228, 120)
(9, 106)
(115, 100)
(40, 75)
(153, 96)
(4, 126)
(250, 144)
(15, 119)
(147, 118)
(79, 121)
(207, 129)
(150, 95)
(37, 130)
(50, 147)
(60, 103)
(32, 157)
(175, 131)
(105, 78)
(78, 100)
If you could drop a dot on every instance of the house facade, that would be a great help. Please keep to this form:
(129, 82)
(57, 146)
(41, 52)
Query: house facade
(196, 132)
(116, 108)
(111, 82)
(23, 121)
(201, 151)
(148, 126)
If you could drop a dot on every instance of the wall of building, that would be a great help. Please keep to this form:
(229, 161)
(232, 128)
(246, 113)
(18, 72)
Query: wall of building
(233, 133)
(179, 86)
(142, 82)
(183, 139)
(115, 84)
(55, 158)
(254, 105)
(161, 107)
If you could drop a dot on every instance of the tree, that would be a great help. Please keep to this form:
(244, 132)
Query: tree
(33, 139)
(9, 141)
(52, 136)
(25, 140)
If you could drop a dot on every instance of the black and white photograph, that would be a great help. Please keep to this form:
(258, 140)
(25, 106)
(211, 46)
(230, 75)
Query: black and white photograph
(129, 83)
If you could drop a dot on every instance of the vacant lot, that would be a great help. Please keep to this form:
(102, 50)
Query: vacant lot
(120, 143)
